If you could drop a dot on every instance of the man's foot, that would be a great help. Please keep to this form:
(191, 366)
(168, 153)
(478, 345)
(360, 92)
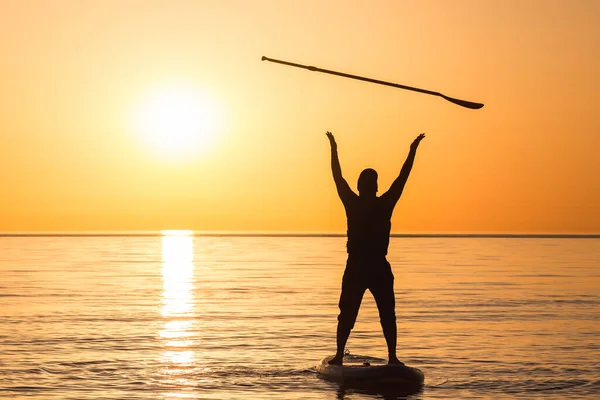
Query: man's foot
(337, 360)
(394, 360)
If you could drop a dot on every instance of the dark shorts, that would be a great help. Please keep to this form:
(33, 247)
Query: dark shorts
(375, 274)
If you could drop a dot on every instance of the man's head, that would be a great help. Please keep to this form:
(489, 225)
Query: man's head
(367, 182)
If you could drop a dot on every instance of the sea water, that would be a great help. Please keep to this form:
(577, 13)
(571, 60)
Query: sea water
(232, 317)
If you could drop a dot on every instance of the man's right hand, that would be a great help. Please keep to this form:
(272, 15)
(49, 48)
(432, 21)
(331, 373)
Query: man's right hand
(415, 143)
(331, 140)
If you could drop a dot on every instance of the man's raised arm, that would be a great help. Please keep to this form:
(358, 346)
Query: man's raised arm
(398, 185)
(341, 185)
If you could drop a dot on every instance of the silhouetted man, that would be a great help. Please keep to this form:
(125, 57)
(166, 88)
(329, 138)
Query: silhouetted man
(369, 224)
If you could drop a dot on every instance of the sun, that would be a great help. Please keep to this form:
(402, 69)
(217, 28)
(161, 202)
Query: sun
(178, 120)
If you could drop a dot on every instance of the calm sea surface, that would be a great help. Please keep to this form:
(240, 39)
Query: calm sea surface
(177, 317)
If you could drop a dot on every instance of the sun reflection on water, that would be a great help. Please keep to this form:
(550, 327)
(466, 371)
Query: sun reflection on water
(177, 297)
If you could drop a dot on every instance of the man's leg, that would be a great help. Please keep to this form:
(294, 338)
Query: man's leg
(350, 299)
(383, 292)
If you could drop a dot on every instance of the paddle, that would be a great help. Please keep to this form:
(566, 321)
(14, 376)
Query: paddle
(463, 103)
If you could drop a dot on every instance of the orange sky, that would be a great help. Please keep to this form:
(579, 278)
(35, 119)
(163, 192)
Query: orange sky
(71, 73)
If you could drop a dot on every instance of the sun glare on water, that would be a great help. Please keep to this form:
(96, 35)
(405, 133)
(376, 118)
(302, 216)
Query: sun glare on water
(178, 120)
(178, 330)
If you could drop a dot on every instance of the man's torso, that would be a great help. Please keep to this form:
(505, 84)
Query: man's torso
(369, 225)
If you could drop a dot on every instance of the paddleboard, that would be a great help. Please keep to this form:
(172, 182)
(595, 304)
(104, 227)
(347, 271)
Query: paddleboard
(359, 370)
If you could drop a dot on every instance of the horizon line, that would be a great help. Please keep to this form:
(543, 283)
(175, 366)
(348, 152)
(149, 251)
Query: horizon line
(158, 233)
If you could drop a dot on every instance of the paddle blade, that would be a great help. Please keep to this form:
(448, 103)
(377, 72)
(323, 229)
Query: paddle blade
(463, 103)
